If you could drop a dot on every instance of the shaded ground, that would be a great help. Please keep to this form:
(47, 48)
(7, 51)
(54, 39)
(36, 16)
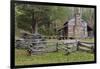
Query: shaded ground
(21, 57)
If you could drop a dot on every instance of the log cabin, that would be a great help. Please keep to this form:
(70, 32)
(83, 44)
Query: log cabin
(76, 27)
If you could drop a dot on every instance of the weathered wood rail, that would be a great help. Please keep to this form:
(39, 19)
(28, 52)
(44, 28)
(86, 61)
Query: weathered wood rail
(66, 45)
(69, 45)
(87, 46)
(53, 46)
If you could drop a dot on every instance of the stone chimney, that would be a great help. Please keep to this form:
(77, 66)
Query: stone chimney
(77, 15)
(77, 27)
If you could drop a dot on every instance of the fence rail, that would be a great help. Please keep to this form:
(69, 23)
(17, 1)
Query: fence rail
(66, 45)
(86, 46)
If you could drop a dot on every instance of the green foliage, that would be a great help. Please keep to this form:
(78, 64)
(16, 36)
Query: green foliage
(48, 18)
(87, 13)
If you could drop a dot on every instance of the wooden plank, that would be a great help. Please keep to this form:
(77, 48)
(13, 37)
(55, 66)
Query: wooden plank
(85, 49)
(87, 45)
(87, 42)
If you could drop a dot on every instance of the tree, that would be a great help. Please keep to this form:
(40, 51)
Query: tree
(47, 18)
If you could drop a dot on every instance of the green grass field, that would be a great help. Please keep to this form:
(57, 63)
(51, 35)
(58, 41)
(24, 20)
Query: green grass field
(88, 40)
(21, 57)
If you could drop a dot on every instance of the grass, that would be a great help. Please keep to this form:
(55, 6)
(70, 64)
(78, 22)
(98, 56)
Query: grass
(88, 40)
(21, 57)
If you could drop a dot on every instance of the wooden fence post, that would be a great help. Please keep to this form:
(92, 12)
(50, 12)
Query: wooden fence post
(78, 45)
(57, 46)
